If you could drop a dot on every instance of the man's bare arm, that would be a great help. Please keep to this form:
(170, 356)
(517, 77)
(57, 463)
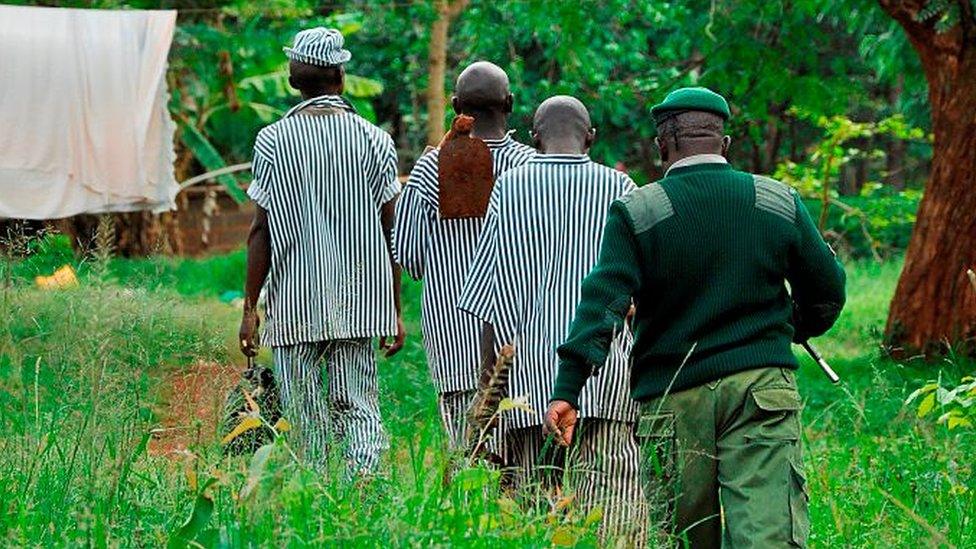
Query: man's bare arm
(258, 264)
(387, 219)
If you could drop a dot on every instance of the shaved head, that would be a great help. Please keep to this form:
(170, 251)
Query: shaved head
(562, 124)
(482, 87)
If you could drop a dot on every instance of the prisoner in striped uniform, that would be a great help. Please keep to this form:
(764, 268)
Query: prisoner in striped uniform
(439, 251)
(325, 181)
(540, 239)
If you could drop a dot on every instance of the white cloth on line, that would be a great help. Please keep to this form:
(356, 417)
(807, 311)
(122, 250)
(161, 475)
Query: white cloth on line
(84, 125)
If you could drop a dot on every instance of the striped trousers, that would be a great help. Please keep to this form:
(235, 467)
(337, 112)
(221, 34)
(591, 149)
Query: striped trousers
(601, 469)
(453, 407)
(329, 394)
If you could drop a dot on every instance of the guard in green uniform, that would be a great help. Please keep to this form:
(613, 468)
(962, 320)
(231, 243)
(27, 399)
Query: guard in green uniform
(705, 254)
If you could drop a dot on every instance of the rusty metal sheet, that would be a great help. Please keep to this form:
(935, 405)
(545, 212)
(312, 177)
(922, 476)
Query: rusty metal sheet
(464, 172)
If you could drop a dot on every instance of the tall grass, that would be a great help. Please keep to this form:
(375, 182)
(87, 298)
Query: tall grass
(82, 373)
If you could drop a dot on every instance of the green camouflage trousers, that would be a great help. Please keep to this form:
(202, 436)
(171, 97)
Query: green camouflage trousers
(726, 452)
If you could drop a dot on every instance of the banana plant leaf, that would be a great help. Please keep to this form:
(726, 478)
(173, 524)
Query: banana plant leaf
(275, 84)
(207, 154)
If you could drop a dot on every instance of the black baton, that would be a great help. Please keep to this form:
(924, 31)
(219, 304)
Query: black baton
(815, 355)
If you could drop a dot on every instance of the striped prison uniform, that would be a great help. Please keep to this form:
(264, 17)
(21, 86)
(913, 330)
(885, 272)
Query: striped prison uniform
(540, 239)
(439, 251)
(323, 173)
(346, 412)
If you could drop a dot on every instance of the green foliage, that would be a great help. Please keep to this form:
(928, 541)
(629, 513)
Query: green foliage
(36, 256)
(879, 220)
(888, 218)
(944, 14)
(219, 112)
(622, 56)
(957, 403)
(208, 156)
(839, 148)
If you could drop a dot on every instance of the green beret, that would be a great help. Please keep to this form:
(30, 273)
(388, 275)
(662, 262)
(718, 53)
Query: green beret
(691, 99)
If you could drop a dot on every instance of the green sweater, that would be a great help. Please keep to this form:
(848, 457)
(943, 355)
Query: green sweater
(704, 254)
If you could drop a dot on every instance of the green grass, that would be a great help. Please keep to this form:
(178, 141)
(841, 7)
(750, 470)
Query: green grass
(80, 386)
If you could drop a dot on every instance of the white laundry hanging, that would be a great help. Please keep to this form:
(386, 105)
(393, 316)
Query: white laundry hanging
(84, 126)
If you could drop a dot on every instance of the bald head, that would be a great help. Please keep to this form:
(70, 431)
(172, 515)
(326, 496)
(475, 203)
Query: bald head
(482, 88)
(562, 125)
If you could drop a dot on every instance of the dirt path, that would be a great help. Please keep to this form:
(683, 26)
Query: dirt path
(193, 399)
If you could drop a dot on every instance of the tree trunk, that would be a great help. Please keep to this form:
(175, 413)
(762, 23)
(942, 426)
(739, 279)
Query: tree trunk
(897, 148)
(447, 11)
(934, 307)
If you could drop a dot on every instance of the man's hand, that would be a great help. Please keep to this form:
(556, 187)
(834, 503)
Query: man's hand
(393, 346)
(248, 336)
(561, 421)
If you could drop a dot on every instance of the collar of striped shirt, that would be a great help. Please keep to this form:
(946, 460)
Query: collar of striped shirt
(697, 159)
(324, 101)
(501, 141)
(560, 158)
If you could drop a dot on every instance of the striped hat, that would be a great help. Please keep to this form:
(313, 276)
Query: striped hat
(319, 46)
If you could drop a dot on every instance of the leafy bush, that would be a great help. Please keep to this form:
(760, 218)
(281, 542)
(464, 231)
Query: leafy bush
(887, 218)
(879, 221)
(957, 404)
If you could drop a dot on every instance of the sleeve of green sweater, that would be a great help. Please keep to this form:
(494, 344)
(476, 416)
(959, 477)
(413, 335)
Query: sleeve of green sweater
(605, 300)
(816, 278)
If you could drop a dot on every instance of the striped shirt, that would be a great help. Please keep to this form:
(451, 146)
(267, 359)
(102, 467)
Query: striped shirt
(322, 173)
(439, 251)
(541, 238)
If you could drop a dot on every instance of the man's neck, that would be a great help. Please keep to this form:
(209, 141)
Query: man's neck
(312, 94)
(562, 146)
(693, 159)
(490, 126)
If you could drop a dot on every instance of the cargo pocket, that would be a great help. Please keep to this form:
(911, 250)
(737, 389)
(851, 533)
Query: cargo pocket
(777, 414)
(658, 465)
(799, 507)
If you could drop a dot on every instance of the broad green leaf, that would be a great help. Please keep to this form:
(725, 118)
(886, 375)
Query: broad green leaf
(927, 388)
(927, 404)
(359, 86)
(272, 85)
(958, 421)
(266, 113)
(347, 23)
(207, 154)
(196, 525)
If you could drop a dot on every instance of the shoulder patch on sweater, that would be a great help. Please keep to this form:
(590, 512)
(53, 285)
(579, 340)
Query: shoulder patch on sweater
(648, 207)
(774, 197)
